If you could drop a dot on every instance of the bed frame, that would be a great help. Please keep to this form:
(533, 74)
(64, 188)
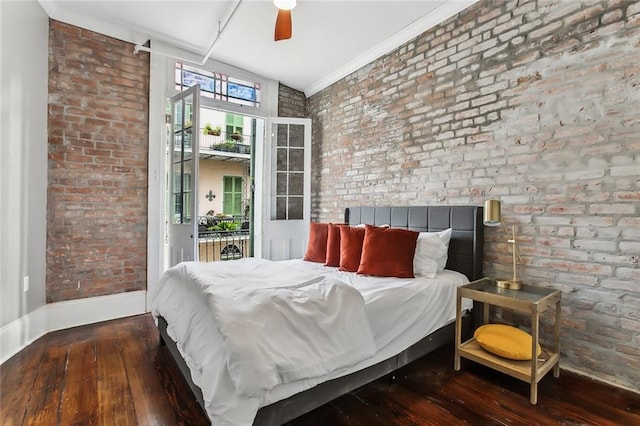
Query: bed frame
(465, 256)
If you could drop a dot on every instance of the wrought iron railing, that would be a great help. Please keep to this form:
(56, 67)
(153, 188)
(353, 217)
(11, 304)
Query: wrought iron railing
(223, 142)
(223, 238)
(214, 246)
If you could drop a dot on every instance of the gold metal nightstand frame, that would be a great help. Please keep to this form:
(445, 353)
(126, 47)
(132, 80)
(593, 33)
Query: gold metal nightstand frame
(529, 300)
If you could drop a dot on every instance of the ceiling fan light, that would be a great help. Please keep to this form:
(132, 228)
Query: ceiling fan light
(285, 4)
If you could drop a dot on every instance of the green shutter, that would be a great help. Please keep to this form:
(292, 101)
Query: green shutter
(232, 195)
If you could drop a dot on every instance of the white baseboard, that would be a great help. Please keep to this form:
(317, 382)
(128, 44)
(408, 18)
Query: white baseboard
(72, 313)
(18, 334)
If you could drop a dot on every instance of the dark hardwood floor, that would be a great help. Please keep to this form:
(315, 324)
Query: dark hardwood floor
(115, 373)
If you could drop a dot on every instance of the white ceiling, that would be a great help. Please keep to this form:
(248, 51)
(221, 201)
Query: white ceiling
(330, 38)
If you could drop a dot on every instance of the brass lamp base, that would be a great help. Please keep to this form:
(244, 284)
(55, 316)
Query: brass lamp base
(509, 284)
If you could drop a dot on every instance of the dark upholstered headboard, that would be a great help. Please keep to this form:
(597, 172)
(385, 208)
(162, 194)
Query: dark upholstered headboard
(466, 245)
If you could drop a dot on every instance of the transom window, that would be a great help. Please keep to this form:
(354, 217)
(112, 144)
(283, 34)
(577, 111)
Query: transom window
(218, 86)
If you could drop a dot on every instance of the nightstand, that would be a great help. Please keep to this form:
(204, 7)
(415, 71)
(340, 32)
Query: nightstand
(529, 301)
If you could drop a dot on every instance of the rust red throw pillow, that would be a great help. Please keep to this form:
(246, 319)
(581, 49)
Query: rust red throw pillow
(351, 239)
(317, 247)
(388, 252)
(333, 246)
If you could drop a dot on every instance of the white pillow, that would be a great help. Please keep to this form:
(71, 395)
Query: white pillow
(431, 253)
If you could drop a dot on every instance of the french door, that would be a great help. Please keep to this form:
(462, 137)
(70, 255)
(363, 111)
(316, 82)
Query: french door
(183, 175)
(284, 193)
(282, 183)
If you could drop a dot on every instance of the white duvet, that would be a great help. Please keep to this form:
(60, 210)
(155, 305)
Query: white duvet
(278, 324)
(397, 313)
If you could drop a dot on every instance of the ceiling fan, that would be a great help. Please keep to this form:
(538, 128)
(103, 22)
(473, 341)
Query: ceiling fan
(283, 20)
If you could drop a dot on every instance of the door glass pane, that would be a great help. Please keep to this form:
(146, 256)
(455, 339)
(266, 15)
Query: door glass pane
(281, 184)
(182, 161)
(281, 134)
(296, 160)
(288, 174)
(296, 184)
(295, 208)
(281, 161)
(281, 208)
(296, 135)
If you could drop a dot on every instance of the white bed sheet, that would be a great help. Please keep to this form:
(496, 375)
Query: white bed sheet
(400, 313)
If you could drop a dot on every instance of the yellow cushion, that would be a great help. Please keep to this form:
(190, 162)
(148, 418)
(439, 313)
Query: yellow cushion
(505, 341)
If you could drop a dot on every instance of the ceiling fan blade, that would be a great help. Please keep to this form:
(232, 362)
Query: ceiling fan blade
(283, 25)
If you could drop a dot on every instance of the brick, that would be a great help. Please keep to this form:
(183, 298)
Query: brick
(612, 208)
(624, 285)
(599, 245)
(82, 116)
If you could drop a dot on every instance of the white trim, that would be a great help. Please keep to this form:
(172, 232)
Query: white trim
(72, 313)
(20, 333)
(156, 196)
(430, 20)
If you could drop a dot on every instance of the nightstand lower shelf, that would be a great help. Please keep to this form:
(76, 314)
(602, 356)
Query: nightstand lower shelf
(518, 369)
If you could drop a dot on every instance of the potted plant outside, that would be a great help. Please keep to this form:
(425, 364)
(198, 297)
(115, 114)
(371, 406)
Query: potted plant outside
(208, 129)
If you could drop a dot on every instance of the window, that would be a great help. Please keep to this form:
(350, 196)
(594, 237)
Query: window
(232, 195)
(218, 86)
(234, 124)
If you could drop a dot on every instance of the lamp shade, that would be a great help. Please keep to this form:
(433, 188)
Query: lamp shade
(492, 216)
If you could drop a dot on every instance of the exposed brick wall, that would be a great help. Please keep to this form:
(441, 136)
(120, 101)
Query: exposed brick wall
(97, 181)
(291, 102)
(536, 103)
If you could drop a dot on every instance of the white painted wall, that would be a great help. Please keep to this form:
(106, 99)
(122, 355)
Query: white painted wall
(24, 38)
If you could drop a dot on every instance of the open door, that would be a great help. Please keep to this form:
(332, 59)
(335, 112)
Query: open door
(183, 172)
(286, 206)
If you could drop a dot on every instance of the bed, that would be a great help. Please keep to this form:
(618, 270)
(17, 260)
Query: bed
(289, 400)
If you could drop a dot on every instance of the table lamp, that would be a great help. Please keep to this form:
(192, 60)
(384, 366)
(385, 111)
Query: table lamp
(493, 217)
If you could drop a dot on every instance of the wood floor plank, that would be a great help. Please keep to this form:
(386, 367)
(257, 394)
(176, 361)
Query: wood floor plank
(113, 385)
(327, 414)
(13, 403)
(79, 404)
(44, 399)
(144, 384)
(422, 410)
(552, 407)
(435, 391)
(177, 392)
(367, 414)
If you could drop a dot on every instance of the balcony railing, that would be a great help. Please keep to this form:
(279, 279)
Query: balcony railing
(214, 246)
(223, 238)
(223, 142)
